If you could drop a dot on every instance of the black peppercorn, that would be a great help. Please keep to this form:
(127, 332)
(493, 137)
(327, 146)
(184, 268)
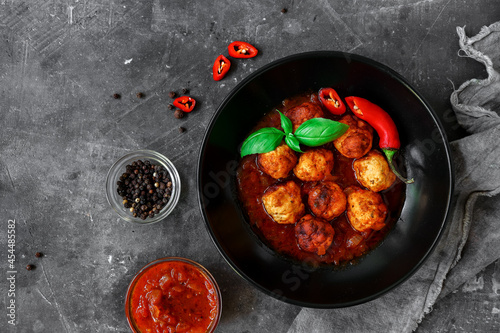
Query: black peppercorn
(30, 267)
(170, 107)
(172, 94)
(140, 188)
(284, 10)
(178, 114)
(39, 254)
(116, 96)
(140, 95)
(182, 130)
(185, 90)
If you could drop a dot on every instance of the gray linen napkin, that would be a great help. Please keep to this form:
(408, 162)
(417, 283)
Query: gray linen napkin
(477, 173)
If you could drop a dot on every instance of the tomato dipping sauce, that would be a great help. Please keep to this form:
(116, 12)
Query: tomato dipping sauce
(348, 244)
(173, 295)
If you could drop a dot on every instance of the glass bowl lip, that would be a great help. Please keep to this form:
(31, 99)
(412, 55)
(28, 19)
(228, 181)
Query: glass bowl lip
(117, 168)
(190, 262)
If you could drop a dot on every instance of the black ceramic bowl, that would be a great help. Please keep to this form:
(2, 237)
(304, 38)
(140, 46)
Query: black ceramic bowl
(424, 149)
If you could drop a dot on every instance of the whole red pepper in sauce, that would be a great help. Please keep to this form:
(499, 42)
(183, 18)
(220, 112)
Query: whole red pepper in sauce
(242, 50)
(185, 103)
(331, 100)
(221, 67)
(383, 124)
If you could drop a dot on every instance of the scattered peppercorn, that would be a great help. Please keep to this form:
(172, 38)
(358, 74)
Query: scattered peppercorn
(116, 96)
(182, 130)
(178, 114)
(185, 91)
(172, 94)
(170, 107)
(140, 95)
(39, 254)
(30, 267)
(284, 10)
(145, 188)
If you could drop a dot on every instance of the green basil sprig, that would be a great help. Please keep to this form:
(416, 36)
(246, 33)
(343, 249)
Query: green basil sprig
(313, 132)
(262, 141)
(318, 131)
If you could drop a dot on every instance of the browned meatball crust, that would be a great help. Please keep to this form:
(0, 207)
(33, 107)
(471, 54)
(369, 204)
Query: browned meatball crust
(357, 140)
(303, 112)
(314, 235)
(283, 202)
(365, 209)
(279, 162)
(314, 165)
(327, 200)
(373, 171)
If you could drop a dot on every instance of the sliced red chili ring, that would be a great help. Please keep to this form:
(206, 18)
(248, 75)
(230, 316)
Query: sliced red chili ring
(220, 68)
(242, 50)
(331, 100)
(185, 103)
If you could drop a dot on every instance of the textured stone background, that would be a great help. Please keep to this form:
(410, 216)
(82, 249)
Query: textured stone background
(60, 63)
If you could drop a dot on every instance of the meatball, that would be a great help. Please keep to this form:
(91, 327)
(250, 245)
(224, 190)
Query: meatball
(283, 202)
(303, 112)
(365, 209)
(373, 171)
(327, 200)
(357, 140)
(314, 165)
(279, 162)
(314, 235)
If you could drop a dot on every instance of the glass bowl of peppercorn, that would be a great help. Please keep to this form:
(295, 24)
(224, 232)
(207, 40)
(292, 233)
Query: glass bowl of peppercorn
(143, 187)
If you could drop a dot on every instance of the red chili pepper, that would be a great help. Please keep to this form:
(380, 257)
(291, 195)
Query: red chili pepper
(331, 100)
(220, 68)
(383, 124)
(242, 50)
(185, 103)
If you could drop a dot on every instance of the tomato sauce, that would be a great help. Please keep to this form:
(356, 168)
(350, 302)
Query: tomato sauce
(173, 296)
(348, 243)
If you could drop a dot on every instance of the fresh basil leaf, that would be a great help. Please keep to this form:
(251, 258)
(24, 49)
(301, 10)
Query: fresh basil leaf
(318, 131)
(262, 141)
(293, 143)
(286, 123)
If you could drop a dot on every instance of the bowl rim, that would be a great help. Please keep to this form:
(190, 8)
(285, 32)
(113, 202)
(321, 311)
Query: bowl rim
(321, 54)
(198, 266)
(145, 154)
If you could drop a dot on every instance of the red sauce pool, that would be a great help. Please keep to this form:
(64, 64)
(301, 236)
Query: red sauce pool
(173, 295)
(348, 243)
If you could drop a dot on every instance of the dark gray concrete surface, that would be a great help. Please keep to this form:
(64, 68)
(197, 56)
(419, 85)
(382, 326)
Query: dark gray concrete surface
(60, 63)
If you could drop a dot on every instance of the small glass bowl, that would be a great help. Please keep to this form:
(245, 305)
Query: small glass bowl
(193, 264)
(119, 167)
